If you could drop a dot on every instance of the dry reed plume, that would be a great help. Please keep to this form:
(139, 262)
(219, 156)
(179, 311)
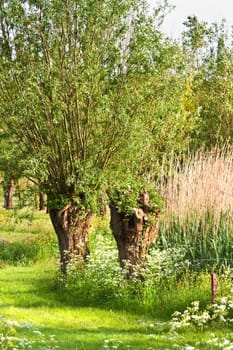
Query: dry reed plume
(200, 184)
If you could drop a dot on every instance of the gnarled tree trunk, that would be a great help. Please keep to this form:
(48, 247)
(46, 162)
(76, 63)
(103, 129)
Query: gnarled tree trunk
(9, 190)
(133, 234)
(72, 233)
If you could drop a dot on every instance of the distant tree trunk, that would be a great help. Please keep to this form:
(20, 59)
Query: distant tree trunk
(42, 201)
(104, 207)
(72, 233)
(9, 190)
(133, 235)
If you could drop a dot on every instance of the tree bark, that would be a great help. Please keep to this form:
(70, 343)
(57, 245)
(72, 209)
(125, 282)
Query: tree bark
(133, 235)
(72, 233)
(9, 190)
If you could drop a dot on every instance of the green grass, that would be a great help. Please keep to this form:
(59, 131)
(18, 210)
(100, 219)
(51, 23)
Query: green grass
(26, 222)
(83, 319)
(29, 294)
(25, 236)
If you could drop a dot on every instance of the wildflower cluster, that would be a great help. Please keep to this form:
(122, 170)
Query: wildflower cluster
(112, 344)
(194, 316)
(191, 316)
(214, 343)
(11, 337)
(106, 281)
(165, 264)
(102, 276)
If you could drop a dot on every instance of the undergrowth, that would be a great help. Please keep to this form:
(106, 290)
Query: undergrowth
(28, 250)
(166, 283)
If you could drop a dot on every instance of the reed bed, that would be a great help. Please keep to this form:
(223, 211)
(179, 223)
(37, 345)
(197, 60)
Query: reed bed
(204, 181)
(198, 211)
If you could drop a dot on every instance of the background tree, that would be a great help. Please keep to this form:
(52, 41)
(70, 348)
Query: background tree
(10, 157)
(212, 89)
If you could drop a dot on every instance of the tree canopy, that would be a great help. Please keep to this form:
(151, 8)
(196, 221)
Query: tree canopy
(77, 80)
(94, 96)
(81, 89)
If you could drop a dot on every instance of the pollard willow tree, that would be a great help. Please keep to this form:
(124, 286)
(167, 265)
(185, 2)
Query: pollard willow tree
(134, 223)
(72, 77)
(169, 120)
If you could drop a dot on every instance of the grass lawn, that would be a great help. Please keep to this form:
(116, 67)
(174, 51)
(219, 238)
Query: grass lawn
(29, 294)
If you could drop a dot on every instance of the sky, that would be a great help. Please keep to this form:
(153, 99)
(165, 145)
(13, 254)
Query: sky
(206, 10)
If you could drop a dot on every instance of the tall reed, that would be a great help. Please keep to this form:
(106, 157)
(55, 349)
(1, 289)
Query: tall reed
(198, 212)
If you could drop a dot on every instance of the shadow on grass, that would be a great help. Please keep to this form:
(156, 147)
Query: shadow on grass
(37, 287)
(23, 287)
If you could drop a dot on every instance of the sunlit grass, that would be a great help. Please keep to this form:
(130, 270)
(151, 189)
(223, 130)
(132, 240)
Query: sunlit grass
(24, 223)
(27, 294)
(86, 315)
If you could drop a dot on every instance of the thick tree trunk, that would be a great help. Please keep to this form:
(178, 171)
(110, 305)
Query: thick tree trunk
(72, 233)
(9, 190)
(133, 235)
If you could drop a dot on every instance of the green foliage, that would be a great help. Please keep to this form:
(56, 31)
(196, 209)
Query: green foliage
(127, 197)
(10, 157)
(18, 252)
(25, 195)
(166, 283)
(89, 104)
(197, 33)
(210, 66)
(76, 104)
